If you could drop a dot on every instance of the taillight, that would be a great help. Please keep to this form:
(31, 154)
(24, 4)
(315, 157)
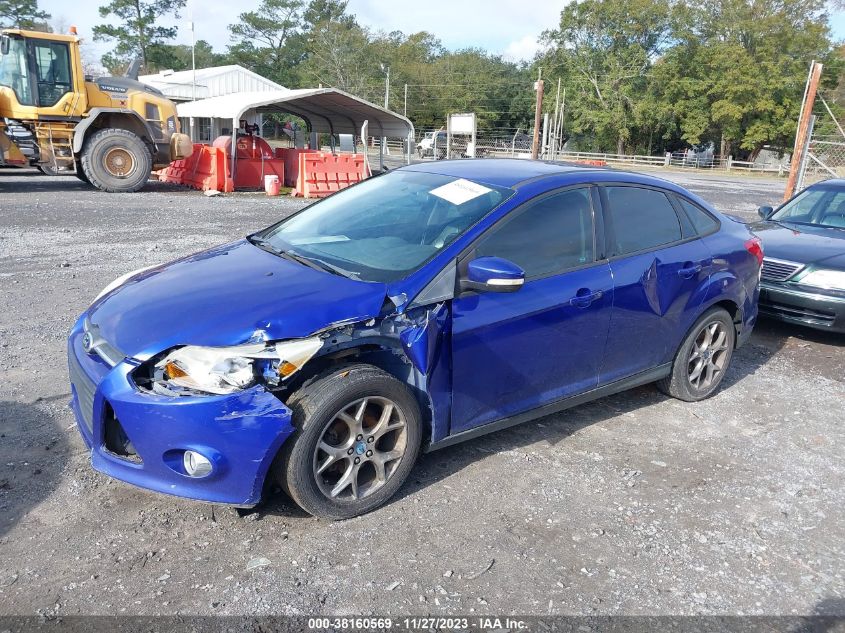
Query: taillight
(755, 247)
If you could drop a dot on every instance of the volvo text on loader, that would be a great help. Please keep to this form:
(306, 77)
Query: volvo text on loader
(111, 132)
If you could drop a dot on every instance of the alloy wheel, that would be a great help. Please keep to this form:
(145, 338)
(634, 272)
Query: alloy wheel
(708, 356)
(360, 448)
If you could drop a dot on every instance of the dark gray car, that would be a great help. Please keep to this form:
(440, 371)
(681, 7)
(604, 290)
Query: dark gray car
(803, 276)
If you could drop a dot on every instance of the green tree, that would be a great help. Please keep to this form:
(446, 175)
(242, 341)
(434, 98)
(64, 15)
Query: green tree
(605, 50)
(736, 75)
(339, 56)
(135, 29)
(269, 40)
(22, 14)
(178, 56)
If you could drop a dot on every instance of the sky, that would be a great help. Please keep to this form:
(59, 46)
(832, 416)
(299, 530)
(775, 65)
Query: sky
(499, 26)
(507, 27)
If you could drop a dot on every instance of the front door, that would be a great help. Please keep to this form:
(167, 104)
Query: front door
(512, 352)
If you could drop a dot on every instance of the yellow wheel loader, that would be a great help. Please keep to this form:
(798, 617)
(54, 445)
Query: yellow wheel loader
(111, 132)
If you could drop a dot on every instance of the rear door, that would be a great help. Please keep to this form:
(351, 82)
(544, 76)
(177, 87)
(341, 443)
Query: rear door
(512, 352)
(659, 265)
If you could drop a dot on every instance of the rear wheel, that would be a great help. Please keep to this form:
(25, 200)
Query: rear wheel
(357, 438)
(116, 160)
(703, 358)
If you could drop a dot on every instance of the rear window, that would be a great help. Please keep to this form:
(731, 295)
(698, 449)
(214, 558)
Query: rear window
(642, 219)
(701, 220)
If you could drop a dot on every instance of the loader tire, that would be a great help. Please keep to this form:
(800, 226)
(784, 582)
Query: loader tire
(80, 173)
(116, 160)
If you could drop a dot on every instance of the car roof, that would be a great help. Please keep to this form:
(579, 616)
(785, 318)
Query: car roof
(836, 182)
(511, 172)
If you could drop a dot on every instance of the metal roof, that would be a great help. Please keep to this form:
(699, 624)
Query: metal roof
(326, 110)
(210, 82)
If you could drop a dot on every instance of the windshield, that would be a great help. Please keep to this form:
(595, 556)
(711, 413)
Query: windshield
(819, 206)
(13, 71)
(385, 227)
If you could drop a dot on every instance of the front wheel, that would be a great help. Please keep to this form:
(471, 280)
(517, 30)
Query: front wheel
(116, 160)
(80, 173)
(358, 435)
(703, 358)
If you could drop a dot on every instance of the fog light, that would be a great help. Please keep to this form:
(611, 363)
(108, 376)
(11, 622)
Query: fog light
(195, 464)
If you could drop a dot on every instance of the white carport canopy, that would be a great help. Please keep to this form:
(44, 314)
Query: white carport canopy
(325, 110)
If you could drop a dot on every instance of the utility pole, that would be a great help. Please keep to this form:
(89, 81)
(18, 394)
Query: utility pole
(801, 136)
(386, 70)
(193, 56)
(405, 107)
(538, 110)
(553, 136)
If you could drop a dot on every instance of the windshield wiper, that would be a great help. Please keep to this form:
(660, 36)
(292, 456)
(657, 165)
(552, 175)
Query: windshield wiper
(316, 264)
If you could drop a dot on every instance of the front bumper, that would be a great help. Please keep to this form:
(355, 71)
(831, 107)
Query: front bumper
(804, 307)
(240, 433)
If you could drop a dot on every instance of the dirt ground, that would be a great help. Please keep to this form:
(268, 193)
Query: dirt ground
(635, 504)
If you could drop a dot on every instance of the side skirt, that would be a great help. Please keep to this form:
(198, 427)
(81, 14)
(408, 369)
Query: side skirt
(643, 378)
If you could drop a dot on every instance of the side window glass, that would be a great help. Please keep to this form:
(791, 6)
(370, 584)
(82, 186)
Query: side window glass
(641, 219)
(702, 221)
(52, 64)
(14, 71)
(546, 236)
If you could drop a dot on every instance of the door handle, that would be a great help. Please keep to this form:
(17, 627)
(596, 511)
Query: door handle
(584, 297)
(689, 270)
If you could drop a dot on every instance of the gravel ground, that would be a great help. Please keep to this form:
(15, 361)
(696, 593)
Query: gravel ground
(635, 504)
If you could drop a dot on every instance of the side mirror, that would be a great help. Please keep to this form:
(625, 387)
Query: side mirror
(764, 212)
(492, 274)
(5, 44)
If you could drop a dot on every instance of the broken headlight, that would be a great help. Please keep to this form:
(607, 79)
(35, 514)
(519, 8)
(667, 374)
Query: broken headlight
(225, 370)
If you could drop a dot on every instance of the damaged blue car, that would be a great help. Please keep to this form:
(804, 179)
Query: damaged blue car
(420, 308)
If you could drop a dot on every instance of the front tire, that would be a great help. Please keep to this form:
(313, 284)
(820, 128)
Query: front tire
(703, 358)
(80, 173)
(358, 433)
(117, 161)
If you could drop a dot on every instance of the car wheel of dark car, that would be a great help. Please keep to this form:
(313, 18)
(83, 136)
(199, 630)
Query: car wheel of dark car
(703, 358)
(358, 435)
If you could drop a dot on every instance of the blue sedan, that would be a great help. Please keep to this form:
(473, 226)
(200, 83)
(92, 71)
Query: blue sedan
(415, 310)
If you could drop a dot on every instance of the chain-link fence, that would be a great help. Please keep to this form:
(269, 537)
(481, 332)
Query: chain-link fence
(825, 151)
(517, 143)
(501, 143)
(826, 159)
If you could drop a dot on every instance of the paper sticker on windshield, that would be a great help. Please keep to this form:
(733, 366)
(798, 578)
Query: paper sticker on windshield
(460, 191)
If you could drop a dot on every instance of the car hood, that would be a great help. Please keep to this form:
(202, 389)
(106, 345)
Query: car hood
(802, 243)
(222, 296)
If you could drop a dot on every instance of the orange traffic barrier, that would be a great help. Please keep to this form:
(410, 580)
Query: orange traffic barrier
(321, 173)
(290, 155)
(591, 162)
(254, 159)
(206, 169)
